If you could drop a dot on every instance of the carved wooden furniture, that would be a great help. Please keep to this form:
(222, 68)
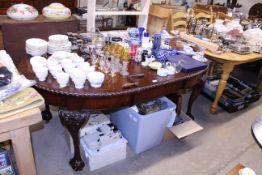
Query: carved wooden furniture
(221, 15)
(16, 129)
(212, 10)
(228, 60)
(202, 15)
(179, 21)
(198, 7)
(173, 10)
(111, 95)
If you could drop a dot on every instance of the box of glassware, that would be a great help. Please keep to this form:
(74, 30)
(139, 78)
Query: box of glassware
(102, 142)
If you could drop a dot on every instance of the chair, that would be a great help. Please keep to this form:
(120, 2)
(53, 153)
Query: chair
(179, 21)
(206, 16)
(157, 18)
(221, 15)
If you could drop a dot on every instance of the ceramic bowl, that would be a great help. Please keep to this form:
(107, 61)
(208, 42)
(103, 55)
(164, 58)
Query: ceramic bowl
(22, 12)
(133, 33)
(96, 79)
(56, 11)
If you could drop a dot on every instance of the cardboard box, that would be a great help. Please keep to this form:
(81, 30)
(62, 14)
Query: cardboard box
(186, 127)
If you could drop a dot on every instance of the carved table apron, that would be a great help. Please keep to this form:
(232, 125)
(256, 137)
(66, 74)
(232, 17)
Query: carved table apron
(110, 95)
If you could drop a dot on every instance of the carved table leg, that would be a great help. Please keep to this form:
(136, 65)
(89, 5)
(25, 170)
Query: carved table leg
(73, 121)
(227, 69)
(46, 114)
(195, 93)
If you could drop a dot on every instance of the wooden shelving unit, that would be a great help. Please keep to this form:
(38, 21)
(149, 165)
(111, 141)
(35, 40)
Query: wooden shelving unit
(92, 13)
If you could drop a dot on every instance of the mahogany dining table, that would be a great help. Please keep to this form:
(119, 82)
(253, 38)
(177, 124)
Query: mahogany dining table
(112, 95)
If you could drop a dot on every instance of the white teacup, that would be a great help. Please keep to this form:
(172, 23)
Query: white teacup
(62, 78)
(52, 62)
(96, 79)
(38, 65)
(66, 61)
(78, 77)
(38, 60)
(68, 67)
(83, 65)
(41, 73)
(87, 68)
(78, 60)
(54, 70)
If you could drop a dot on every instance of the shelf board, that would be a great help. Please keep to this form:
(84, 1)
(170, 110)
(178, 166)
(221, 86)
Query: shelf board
(120, 13)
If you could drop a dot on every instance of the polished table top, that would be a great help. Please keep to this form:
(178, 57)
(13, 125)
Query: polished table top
(231, 56)
(112, 87)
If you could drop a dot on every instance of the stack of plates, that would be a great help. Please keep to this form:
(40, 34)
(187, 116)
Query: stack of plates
(36, 46)
(58, 43)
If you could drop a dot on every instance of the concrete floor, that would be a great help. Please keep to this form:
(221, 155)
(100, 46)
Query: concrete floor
(225, 141)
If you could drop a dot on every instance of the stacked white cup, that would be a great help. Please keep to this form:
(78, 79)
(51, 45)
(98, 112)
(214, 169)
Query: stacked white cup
(62, 78)
(78, 77)
(55, 69)
(39, 66)
(85, 66)
(96, 79)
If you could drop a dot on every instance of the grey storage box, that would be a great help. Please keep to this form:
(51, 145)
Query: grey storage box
(144, 131)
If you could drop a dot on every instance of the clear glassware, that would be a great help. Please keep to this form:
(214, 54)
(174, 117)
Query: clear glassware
(125, 60)
(113, 69)
(178, 66)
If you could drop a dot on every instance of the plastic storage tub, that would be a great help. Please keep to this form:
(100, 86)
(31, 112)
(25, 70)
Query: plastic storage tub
(144, 131)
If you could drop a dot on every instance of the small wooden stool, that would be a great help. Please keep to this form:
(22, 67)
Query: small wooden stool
(16, 129)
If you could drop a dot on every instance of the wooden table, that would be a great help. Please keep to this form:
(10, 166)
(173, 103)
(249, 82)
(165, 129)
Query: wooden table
(16, 129)
(228, 60)
(111, 96)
